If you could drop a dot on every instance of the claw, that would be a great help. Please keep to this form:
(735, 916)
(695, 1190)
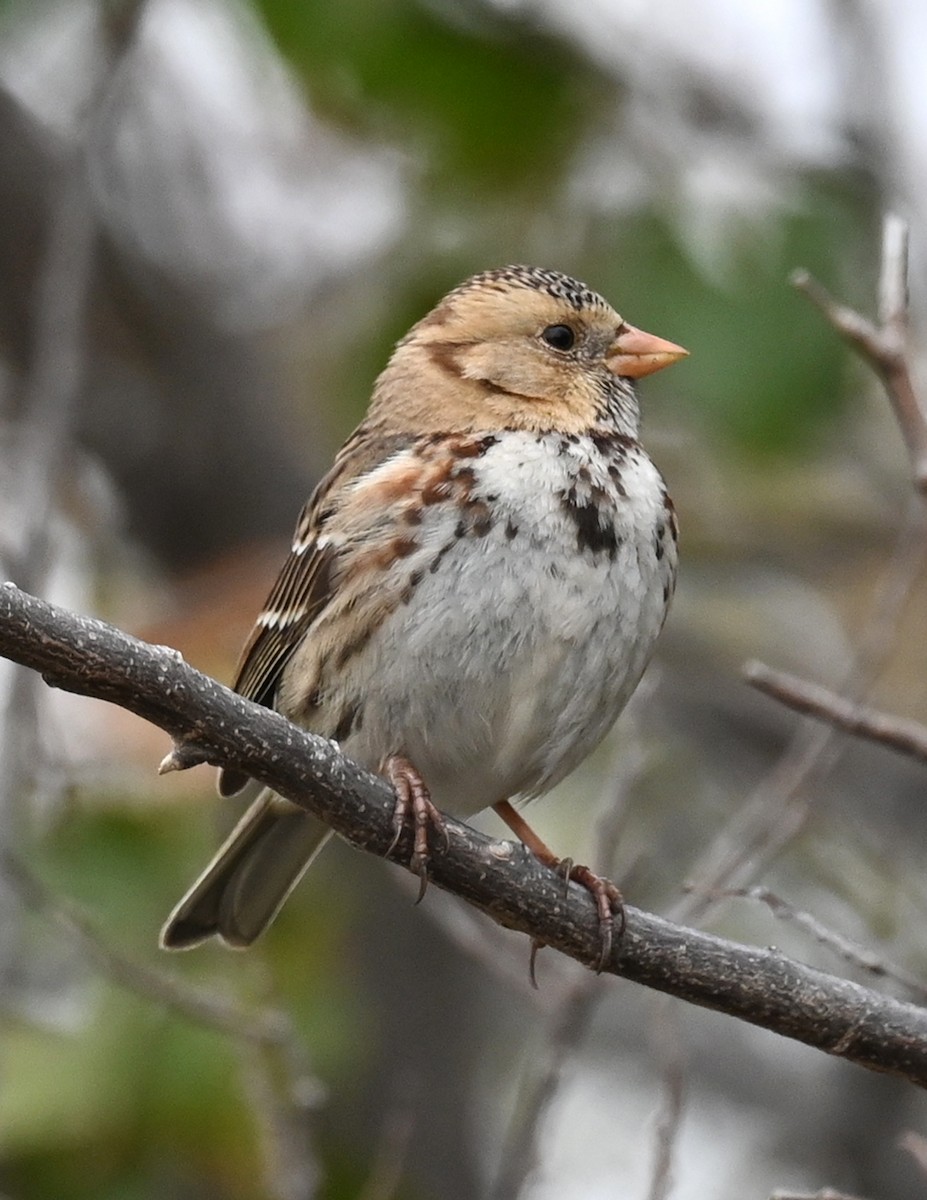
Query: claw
(609, 905)
(399, 816)
(421, 870)
(564, 867)
(533, 962)
(608, 900)
(412, 796)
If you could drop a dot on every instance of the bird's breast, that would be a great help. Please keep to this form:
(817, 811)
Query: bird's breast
(536, 584)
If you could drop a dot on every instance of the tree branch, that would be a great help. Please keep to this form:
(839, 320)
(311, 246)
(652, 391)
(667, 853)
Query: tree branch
(212, 1011)
(905, 736)
(884, 346)
(761, 986)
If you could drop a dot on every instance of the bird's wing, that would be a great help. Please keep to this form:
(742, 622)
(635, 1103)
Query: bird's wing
(305, 584)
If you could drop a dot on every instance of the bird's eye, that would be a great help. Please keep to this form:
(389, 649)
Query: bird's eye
(558, 337)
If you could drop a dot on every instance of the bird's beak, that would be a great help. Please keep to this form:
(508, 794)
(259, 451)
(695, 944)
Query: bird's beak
(635, 353)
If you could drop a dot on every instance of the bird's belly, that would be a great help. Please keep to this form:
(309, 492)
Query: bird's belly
(508, 665)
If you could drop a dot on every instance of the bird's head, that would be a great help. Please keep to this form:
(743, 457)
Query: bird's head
(519, 348)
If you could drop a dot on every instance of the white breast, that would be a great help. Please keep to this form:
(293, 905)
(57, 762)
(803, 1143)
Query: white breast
(513, 658)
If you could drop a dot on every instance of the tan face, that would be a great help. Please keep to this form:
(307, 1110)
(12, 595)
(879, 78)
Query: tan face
(500, 353)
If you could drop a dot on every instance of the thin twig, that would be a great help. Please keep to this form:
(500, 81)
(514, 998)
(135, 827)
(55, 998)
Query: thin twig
(777, 808)
(491, 948)
(62, 291)
(279, 1075)
(41, 442)
(884, 346)
(521, 1155)
(573, 1013)
(849, 950)
(40, 445)
(823, 1194)
(668, 1049)
(193, 1003)
(389, 1157)
(627, 769)
(284, 1104)
(758, 985)
(907, 737)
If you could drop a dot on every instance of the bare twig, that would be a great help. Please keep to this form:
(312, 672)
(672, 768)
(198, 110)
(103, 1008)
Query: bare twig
(776, 810)
(62, 291)
(851, 951)
(521, 1155)
(669, 1052)
(193, 1003)
(908, 737)
(778, 807)
(40, 442)
(283, 1091)
(490, 947)
(283, 1101)
(573, 1012)
(40, 459)
(771, 815)
(385, 1174)
(823, 1194)
(761, 986)
(626, 771)
(884, 346)
(53, 383)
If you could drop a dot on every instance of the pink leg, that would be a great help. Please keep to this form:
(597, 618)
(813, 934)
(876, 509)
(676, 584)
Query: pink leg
(608, 899)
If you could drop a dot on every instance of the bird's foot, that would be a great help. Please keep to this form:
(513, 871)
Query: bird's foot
(608, 899)
(609, 904)
(413, 799)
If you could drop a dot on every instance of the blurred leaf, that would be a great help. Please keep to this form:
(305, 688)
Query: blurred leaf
(766, 371)
(139, 1094)
(500, 106)
(129, 867)
(129, 1081)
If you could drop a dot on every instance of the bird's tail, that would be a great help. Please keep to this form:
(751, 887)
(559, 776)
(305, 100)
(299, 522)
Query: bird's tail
(253, 872)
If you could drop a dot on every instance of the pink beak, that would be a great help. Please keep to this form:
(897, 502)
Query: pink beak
(635, 353)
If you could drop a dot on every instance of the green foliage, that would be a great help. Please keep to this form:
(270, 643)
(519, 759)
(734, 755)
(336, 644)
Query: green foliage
(487, 108)
(86, 1112)
(766, 372)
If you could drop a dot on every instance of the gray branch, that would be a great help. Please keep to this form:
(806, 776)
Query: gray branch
(211, 724)
(884, 345)
(906, 736)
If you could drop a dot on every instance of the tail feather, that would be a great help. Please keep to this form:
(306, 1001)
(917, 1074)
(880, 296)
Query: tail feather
(250, 877)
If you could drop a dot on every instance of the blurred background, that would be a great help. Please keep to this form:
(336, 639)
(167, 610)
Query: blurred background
(215, 220)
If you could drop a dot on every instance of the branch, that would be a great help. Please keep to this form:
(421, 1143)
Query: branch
(764, 987)
(853, 952)
(547, 1064)
(823, 1194)
(908, 737)
(521, 1153)
(884, 346)
(212, 1011)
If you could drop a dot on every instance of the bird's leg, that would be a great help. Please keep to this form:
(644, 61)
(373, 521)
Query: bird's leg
(608, 899)
(412, 798)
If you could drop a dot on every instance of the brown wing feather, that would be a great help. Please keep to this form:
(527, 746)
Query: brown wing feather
(300, 590)
(304, 585)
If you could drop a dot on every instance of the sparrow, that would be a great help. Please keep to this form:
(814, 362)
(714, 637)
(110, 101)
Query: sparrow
(473, 590)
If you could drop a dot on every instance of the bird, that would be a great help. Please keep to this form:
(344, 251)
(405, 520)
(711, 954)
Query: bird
(472, 591)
